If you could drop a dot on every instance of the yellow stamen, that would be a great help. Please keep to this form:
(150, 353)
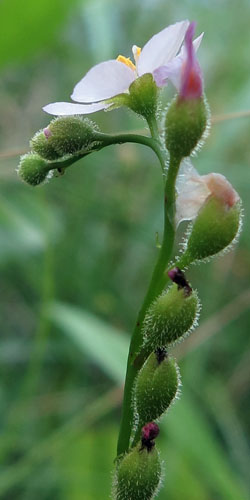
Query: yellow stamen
(136, 53)
(126, 60)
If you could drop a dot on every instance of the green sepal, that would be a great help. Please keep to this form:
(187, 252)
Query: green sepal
(186, 122)
(169, 317)
(156, 387)
(138, 475)
(117, 102)
(214, 228)
(142, 97)
(33, 169)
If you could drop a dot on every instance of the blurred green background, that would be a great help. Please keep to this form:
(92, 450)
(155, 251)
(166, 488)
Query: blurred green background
(76, 256)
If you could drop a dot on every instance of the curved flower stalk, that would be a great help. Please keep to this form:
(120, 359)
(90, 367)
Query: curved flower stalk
(167, 315)
(109, 79)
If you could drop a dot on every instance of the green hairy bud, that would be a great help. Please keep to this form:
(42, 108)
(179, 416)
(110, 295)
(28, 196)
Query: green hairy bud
(170, 316)
(142, 96)
(214, 229)
(33, 169)
(71, 134)
(186, 122)
(138, 474)
(42, 146)
(156, 386)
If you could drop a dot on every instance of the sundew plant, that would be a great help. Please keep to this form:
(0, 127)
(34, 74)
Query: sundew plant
(170, 309)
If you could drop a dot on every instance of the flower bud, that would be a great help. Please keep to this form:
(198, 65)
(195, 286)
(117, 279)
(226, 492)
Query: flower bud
(170, 316)
(214, 228)
(186, 121)
(33, 169)
(142, 96)
(156, 386)
(71, 134)
(138, 474)
(40, 144)
(187, 116)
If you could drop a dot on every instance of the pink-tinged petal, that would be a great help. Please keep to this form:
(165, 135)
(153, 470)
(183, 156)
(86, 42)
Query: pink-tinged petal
(103, 81)
(192, 192)
(68, 108)
(197, 42)
(162, 47)
(221, 188)
(191, 86)
(172, 71)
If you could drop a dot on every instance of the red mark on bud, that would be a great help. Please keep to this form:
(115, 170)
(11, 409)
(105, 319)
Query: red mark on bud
(149, 433)
(178, 277)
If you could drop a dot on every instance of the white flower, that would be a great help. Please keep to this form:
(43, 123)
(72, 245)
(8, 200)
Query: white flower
(176, 69)
(110, 78)
(193, 190)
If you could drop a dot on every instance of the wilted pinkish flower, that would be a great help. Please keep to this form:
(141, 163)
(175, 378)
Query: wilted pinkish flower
(149, 432)
(193, 190)
(110, 78)
(184, 70)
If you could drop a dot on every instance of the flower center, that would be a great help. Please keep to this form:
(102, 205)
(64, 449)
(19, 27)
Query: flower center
(126, 60)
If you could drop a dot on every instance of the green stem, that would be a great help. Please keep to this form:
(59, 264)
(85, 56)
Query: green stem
(153, 127)
(138, 354)
(109, 140)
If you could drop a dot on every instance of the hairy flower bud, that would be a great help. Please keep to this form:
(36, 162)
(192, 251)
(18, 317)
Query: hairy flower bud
(170, 317)
(156, 386)
(142, 97)
(138, 474)
(187, 116)
(214, 228)
(186, 121)
(71, 134)
(40, 145)
(33, 169)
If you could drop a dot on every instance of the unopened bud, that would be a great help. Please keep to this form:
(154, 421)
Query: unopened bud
(170, 316)
(40, 144)
(187, 116)
(186, 121)
(215, 227)
(138, 474)
(156, 386)
(33, 169)
(71, 134)
(142, 97)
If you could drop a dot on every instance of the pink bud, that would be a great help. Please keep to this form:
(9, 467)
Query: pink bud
(47, 132)
(191, 78)
(172, 273)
